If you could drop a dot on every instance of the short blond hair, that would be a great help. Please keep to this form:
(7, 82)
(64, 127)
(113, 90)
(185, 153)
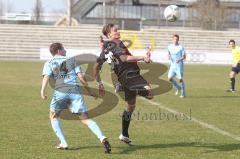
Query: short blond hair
(107, 29)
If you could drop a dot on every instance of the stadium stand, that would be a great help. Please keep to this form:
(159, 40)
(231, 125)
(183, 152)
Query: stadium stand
(25, 41)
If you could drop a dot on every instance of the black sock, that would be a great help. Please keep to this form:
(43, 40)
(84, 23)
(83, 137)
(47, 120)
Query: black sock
(126, 118)
(232, 83)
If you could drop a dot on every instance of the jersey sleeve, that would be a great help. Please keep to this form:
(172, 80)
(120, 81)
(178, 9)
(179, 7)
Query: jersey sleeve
(78, 69)
(47, 69)
(76, 65)
(101, 59)
(122, 50)
(237, 55)
(116, 49)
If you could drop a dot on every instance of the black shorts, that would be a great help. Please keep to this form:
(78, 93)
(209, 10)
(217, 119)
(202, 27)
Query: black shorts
(236, 69)
(135, 86)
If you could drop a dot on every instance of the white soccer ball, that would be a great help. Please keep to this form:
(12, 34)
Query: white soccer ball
(172, 13)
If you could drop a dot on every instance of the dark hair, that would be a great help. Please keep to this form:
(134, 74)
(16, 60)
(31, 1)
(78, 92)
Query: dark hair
(54, 47)
(231, 41)
(176, 35)
(107, 29)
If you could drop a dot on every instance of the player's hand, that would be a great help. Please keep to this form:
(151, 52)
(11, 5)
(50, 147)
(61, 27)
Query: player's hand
(101, 90)
(147, 59)
(148, 55)
(178, 61)
(43, 95)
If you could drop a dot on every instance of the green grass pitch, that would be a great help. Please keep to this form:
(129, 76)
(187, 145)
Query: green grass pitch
(25, 130)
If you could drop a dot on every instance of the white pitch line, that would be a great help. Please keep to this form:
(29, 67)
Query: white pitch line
(203, 124)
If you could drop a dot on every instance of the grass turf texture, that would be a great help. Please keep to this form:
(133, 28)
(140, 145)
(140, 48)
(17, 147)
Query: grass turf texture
(25, 130)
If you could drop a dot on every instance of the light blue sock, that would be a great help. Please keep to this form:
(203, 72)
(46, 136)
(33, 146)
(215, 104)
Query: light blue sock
(183, 88)
(176, 86)
(56, 125)
(92, 125)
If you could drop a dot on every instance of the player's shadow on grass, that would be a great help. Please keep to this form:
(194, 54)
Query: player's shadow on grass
(83, 147)
(210, 147)
(216, 148)
(130, 149)
(212, 97)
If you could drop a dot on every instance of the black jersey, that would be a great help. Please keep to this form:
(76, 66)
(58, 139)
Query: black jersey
(111, 52)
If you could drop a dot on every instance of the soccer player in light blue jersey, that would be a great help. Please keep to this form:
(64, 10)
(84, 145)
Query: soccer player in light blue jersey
(176, 55)
(63, 75)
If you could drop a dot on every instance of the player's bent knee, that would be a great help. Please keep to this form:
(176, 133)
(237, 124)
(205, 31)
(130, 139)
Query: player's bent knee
(84, 118)
(53, 115)
(150, 95)
(147, 88)
(87, 121)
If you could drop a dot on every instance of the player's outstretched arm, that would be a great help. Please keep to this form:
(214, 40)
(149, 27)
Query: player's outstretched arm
(96, 74)
(128, 58)
(148, 55)
(44, 86)
(84, 82)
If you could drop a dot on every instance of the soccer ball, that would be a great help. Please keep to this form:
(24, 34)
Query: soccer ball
(172, 13)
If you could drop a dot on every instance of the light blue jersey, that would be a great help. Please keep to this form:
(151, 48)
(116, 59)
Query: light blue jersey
(176, 52)
(62, 70)
(63, 79)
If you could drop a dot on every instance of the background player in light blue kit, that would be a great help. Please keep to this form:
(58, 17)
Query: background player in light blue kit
(176, 55)
(63, 74)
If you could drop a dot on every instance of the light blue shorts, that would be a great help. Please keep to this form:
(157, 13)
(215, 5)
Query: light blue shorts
(69, 98)
(175, 72)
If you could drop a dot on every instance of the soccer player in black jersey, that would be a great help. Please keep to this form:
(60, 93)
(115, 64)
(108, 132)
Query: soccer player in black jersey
(128, 73)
